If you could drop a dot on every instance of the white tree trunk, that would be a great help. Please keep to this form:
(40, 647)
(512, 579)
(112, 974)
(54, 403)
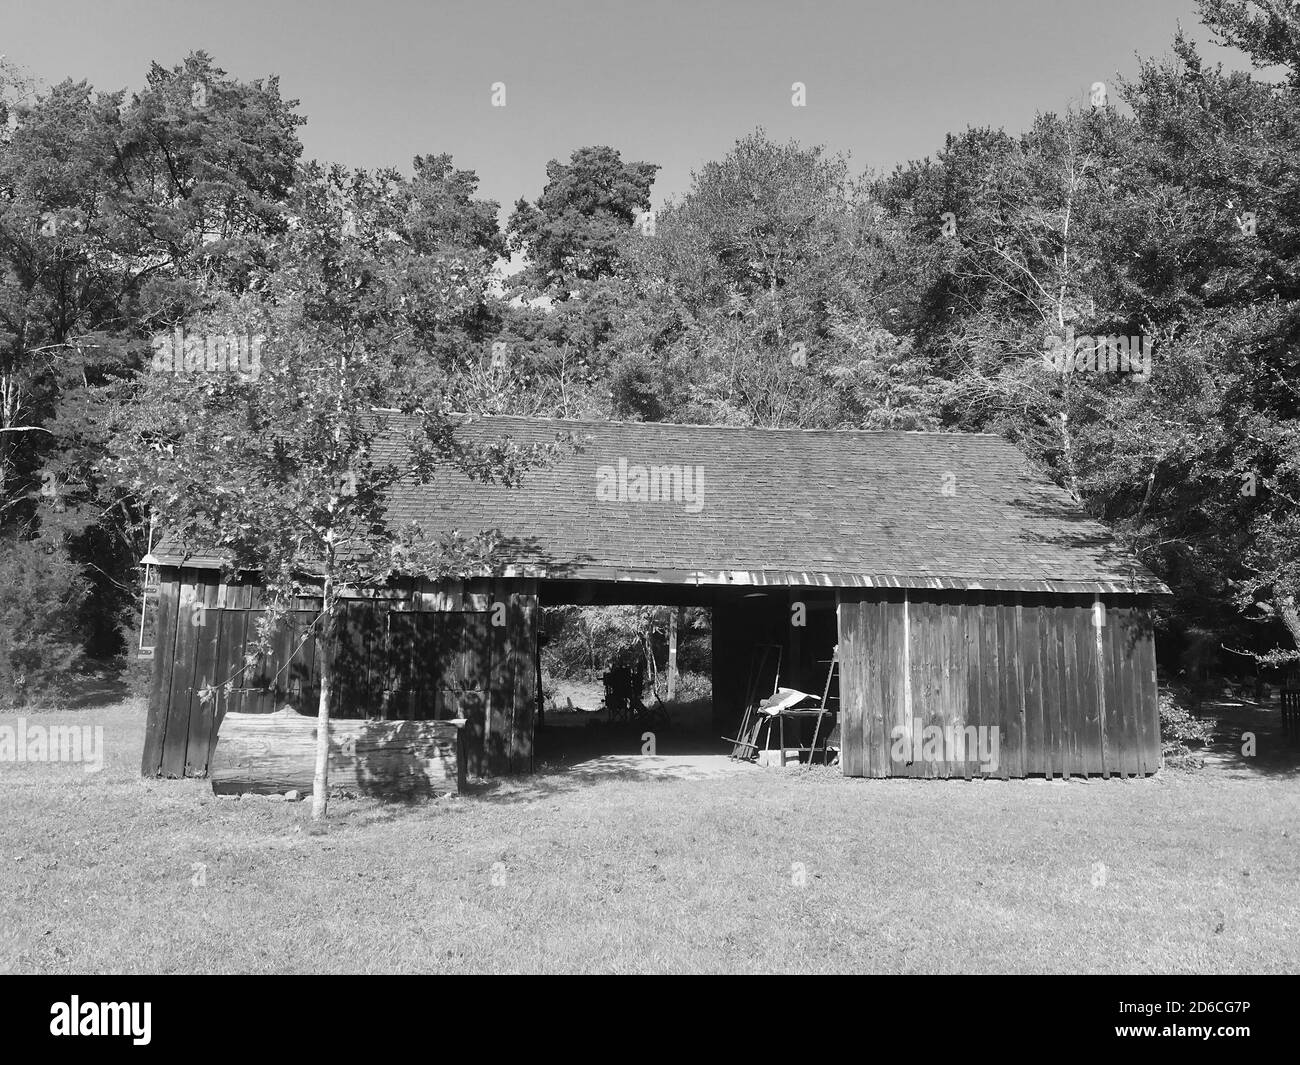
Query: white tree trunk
(1289, 610)
(320, 780)
(672, 652)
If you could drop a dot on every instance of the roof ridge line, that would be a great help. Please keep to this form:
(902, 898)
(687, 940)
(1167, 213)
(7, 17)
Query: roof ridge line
(550, 419)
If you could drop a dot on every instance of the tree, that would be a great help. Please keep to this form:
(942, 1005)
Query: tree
(41, 592)
(277, 467)
(1178, 225)
(767, 296)
(572, 234)
(118, 218)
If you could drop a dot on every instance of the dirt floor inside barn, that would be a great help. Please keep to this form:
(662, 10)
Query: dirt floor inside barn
(677, 863)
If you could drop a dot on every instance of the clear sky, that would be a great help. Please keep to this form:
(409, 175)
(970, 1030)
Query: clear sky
(673, 82)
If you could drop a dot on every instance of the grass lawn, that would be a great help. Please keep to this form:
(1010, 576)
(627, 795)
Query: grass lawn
(613, 872)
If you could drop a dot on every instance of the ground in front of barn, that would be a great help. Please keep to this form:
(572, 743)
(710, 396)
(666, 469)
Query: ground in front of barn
(625, 864)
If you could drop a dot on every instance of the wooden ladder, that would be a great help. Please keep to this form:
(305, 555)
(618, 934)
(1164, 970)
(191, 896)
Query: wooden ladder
(832, 674)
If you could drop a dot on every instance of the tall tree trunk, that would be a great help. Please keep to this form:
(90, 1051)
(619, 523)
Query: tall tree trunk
(1067, 447)
(320, 781)
(672, 652)
(652, 667)
(1289, 611)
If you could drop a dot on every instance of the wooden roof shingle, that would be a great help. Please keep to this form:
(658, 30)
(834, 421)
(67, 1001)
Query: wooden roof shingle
(773, 506)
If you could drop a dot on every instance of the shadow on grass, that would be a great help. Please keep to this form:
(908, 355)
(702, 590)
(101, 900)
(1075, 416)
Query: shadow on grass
(1275, 755)
(552, 782)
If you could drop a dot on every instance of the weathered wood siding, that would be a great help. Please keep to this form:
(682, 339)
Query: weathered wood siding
(424, 652)
(1068, 698)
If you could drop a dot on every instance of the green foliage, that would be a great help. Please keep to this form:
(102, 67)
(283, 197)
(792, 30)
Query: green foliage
(1179, 224)
(770, 296)
(1180, 732)
(119, 217)
(573, 233)
(584, 642)
(280, 470)
(41, 593)
(779, 290)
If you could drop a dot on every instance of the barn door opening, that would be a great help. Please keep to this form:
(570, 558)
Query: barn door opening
(624, 678)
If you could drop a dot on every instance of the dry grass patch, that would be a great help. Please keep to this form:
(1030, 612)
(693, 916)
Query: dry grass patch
(583, 871)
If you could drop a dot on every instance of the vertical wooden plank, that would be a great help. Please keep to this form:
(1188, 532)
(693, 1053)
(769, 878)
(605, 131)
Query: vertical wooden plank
(992, 617)
(503, 592)
(1089, 693)
(343, 670)
(1022, 673)
(226, 652)
(282, 654)
(1146, 691)
(919, 664)
(946, 698)
(854, 641)
(852, 697)
(239, 621)
(203, 712)
(903, 699)
(1050, 650)
(352, 661)
(163, 663)
(959, 644)
(311, 668)
(854, 755)
(1034, 760)
(1117, 755)
(976, 711)
(230, 661)
(400, 666)
(521, 737)
(934, 718)
(1128, 683)
(222, 670)
(881, 683)
(991, 667)
(1012, 711)
(1101, 622)
(911, 701)
(1087, 735)
(302, 660)
(959, 709)
(1073, 707)
(1069, 678)
(257, 695)
(875, 686)
(182, 678)
(935, 766)
(463, 630)
(501, 696)
(377, 656)
(1088, 722)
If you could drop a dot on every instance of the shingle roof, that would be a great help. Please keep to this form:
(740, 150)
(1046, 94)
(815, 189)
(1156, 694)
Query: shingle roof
(778, 506)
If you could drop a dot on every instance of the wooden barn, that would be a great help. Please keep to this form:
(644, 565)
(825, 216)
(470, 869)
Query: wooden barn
(963, 591)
